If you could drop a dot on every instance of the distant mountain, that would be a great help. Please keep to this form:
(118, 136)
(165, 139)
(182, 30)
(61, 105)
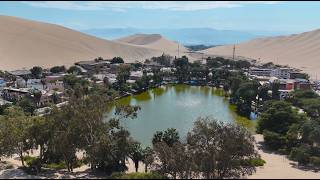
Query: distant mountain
(186, 36)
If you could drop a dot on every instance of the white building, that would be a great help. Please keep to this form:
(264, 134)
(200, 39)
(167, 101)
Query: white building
(260, 72)
(35, 84)
(135, 75)
(285, 94)
(282, 73)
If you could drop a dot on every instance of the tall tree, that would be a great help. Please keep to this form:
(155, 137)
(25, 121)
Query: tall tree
(220, 150)
(36, 71)
(136, 154)
(14, 134)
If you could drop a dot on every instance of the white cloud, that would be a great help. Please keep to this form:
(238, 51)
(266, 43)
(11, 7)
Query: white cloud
(121, 6)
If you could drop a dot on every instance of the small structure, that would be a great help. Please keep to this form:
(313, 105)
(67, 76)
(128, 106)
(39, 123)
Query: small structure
(287, 84)
(260, 72)
(20, 73)
(284, 94)
(94, 65)
(302, 84)
(135, 75)
(35, 84)
(13, 94)
(3, 84)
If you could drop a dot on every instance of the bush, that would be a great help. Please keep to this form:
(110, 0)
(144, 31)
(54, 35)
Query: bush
(315, 160)
(274, 140)
(257, 162)
(300, 154)
(150, 175)
(253, 162)
(33, 165)
(28, 159)
(10, 166)
(62, 165)
(56, 166)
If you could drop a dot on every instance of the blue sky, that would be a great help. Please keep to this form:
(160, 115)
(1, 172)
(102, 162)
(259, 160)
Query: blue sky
(246, 16)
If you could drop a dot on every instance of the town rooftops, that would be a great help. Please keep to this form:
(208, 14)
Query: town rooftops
(4, 102)
(20, 72)
(81, 69)
(302, 80)
(21, 90)
(92, 62)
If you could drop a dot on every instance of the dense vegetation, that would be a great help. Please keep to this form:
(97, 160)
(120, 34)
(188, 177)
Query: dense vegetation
(210, 150)
(293, 132)
(80, 127)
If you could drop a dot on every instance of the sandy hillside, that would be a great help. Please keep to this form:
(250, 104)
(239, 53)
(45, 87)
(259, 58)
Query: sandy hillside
(300, 50)
(25, 43)
(156, 42)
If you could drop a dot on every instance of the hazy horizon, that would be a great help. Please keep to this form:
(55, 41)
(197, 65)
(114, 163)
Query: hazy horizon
(286, 17)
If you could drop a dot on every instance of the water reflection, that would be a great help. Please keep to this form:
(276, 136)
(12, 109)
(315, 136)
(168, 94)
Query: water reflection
(145, 96)
(177, 107)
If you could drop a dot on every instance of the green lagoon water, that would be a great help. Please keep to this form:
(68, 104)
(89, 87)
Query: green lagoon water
(177, 107)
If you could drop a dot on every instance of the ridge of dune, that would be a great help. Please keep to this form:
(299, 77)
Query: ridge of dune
(156, 42)
(301, 51)
(26, 43)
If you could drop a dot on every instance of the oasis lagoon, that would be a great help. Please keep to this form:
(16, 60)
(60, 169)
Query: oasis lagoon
(177, 106)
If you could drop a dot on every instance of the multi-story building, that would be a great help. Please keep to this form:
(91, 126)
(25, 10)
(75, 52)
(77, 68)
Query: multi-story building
(260, 72)
(282, 73)
(302, 84)
(287, 84)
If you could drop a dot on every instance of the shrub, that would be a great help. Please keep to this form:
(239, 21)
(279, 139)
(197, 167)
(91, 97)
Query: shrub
(33, 165)
(274, 140)
(56, 166)
(315, 160)
(10, 166)
(253, 162)
(257, 162)
(300, 154)
(62, 165)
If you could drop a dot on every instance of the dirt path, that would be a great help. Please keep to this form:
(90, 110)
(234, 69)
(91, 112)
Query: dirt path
(278, 166)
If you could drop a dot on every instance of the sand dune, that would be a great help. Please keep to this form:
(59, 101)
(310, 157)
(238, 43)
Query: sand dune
(156, 42)
(25, 43)
(299, 50)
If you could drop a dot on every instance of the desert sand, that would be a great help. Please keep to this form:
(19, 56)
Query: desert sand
(301, 51)
(155, 41)
(81, 172)
(26, 43)
(278, 166)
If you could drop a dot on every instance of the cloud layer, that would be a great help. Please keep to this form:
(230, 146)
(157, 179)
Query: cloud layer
(124, 5)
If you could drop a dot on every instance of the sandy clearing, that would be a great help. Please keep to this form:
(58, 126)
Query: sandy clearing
(279, 167)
